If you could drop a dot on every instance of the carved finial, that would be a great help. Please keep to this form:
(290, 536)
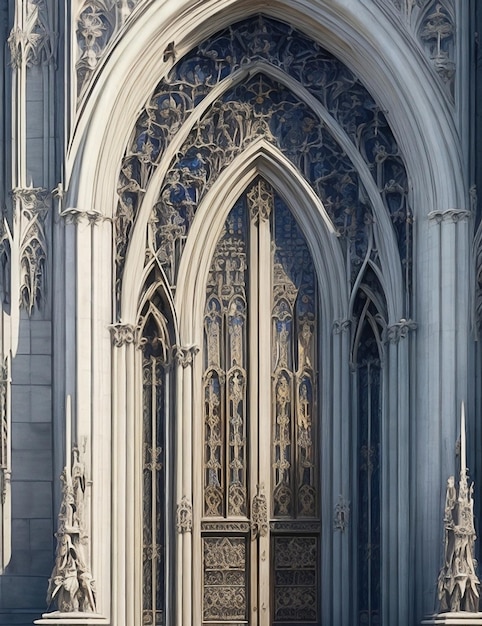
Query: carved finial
(71, 585)
(458, 584)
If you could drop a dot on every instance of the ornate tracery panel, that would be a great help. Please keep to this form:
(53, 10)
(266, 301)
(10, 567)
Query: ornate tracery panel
(244, 298)
(155, 347)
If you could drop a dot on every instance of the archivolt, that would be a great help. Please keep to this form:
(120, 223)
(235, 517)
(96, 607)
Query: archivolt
(209, 136)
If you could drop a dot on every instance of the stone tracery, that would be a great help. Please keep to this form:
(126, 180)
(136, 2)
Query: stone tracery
(260, 107)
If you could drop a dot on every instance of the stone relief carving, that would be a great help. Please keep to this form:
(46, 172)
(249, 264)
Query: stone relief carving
(458, 584)
(184, 516)
(398, 331)
(437, 31)
(225, 590)
(123, 334)
(34, 205)
(296, 560)
(33, 43)
(97, 22)
(71, 585)
(340, 326)
(259, 514)
(341, 517)
(184, 356)
(432, 23)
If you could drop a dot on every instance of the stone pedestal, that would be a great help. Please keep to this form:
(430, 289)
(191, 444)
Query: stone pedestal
(455, 618)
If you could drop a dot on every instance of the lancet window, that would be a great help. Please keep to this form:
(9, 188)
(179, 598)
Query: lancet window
(368, 368)
(155, 346)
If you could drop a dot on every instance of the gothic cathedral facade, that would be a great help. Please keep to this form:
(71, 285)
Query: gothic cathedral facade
(241, 299)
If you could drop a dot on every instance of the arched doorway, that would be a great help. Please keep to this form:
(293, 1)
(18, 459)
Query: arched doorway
(260, 338)
(260, 520)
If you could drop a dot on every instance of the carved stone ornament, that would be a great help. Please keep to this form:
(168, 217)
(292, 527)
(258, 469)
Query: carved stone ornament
(123, 334)
(185, 356)
(71, 585)
(340, 326)
(98, 22)
(35, 43)
(341, 518)
(458, 584)
(398, 331)
(184, 516)
(34, 205)
(450, 215)
(432, 24)
(259, 514)
(74, 216)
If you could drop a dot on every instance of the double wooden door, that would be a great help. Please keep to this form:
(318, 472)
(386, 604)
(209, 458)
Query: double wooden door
(260, 529)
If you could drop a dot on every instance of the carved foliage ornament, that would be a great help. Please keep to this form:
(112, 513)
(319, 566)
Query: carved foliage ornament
(71, 585)
(34, 42)
(98, 21)
(33, 204)
(123, 334)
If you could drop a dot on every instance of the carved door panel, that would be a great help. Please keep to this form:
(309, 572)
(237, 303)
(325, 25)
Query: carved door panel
(260, 526)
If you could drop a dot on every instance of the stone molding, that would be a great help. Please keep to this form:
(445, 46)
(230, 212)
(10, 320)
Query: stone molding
(450, 215)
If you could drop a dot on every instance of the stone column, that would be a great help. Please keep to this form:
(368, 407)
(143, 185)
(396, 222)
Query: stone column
(336, 478)
(441, 360)
(395, 479)
(186, 587)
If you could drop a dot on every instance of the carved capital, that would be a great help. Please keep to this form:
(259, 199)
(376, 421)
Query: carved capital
(400, 330)
(34, 43)
(31, 199)
(450, 215)
(184, 516)
(185, 356)
(123, 334)
(341, 516)
(342, 325)
(74, 216)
